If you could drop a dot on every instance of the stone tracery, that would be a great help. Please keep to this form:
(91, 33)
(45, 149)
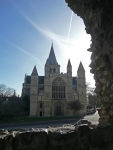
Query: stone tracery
(58, 89)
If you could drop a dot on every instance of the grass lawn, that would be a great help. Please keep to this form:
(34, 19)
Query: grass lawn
(33, 119)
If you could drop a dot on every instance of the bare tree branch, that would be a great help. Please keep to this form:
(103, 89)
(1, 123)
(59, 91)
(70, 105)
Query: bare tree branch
(2, 89)
(6, 91)
(89, 90)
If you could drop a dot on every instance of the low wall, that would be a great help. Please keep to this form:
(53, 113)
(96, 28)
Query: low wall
(61, 138)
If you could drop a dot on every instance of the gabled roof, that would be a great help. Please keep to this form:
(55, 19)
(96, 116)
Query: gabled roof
(69, 63)
(80, 68)
(52, 58)
(34, 72)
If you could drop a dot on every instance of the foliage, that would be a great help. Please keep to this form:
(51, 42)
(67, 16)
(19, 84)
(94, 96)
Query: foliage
(75, 105)
(11, 105)
(26, 100)
(11, 108)
(6, 91)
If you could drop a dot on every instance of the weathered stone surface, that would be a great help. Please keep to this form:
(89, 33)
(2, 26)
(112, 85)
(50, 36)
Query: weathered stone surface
(80, 137)
(3, 132)
(62, 138)
(102, 137)
(97, 16)
(7, 142)
(83, 137)
(30, 140)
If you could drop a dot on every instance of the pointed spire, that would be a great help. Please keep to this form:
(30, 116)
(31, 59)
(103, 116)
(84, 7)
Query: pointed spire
(47, 61)
(34, 72)
(52, 58)
(81, 68)
(69, 63)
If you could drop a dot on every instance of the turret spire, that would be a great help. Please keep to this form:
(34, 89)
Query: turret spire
(34, 72)
(81, 68)
(69, 63)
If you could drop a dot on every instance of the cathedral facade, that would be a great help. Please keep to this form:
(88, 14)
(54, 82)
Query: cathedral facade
(51, 94)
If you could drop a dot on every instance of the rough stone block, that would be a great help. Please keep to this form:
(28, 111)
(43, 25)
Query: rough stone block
(101, 136)
(31, 140)
(62, 139)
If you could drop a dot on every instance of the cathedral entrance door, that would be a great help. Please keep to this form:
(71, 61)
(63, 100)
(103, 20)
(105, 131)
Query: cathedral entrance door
(58, 111)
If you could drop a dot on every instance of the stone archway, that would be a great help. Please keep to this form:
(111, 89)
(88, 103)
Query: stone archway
(58, 109)
(98, 19)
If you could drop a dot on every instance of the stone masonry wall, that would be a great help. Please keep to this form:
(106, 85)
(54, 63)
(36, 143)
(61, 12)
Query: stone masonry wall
(98, 19)
(61, 138)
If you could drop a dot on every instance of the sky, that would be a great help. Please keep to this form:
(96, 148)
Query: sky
(27, 29)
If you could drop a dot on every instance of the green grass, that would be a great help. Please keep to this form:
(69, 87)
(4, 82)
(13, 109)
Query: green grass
(34, 119)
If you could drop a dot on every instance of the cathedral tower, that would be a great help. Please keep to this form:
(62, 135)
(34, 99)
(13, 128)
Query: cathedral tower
(34, 92)
(81, 87)
(69, 69)
(51, 65)
(69, 78)
(69, 73)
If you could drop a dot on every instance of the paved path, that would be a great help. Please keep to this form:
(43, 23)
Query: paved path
(42, 124)
(92, 118)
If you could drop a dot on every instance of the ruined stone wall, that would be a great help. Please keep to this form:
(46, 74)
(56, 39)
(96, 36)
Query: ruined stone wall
(83, 138)
(98, 19)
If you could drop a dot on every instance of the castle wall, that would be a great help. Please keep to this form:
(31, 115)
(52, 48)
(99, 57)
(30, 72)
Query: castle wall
(61, 138)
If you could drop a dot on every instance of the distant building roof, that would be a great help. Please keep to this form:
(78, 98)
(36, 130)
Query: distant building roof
(40, 79)
(28, 79)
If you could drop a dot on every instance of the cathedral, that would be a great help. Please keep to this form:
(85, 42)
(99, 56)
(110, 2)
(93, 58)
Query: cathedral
(50, 94)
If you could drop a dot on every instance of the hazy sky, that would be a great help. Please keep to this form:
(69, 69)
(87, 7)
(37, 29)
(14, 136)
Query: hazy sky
(27, 28)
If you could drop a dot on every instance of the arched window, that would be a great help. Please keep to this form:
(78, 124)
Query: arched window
(58, 89)
(54, 70)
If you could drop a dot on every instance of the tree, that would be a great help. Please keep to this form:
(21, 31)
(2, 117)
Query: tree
(89, 90)
(6, 91)
(26, 100)
(2, 89)
(12, 107)
(75, 106)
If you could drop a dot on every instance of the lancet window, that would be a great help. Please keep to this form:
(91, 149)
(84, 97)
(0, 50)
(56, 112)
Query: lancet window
(54, 70)
(58, 89)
